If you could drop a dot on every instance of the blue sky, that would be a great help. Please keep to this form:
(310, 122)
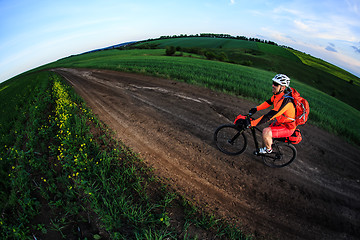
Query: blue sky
(33, 33)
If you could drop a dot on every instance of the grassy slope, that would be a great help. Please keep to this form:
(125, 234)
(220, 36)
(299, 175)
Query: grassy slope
(309, 70)
(326, 67)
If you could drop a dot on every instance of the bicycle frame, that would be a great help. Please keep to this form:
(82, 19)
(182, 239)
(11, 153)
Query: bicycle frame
(253, 132)
(257, 147)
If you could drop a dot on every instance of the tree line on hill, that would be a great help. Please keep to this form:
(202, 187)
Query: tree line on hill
(215, 35)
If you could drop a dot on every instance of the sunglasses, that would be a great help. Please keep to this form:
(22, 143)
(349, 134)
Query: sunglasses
(276, 84)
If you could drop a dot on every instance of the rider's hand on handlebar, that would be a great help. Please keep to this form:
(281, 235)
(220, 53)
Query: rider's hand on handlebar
(242, 121)
(247, 123)
(240, 117)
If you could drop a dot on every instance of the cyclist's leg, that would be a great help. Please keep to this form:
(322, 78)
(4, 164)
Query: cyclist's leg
(267, 137)
(275, 131)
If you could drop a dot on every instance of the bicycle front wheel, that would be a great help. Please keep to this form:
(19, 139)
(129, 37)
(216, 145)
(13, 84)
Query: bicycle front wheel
(282, 155)
(230, 140)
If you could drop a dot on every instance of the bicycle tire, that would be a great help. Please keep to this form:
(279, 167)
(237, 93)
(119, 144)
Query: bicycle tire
(230, 140)
(282, 155)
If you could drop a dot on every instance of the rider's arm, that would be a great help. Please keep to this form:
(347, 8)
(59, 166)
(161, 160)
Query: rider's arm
(278, 110)
(265, 105)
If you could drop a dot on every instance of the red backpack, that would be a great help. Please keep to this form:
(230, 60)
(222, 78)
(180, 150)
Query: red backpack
(302, 108)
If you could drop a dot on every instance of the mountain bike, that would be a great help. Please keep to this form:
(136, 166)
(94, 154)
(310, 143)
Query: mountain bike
(231, 140)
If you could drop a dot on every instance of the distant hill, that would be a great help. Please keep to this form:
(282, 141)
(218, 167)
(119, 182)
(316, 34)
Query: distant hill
(112, 47)
(271, 57)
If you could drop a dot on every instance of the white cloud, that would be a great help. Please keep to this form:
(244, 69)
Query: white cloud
(302, 26)
(278, 36)
(330, 25)
(357, 50)
(232, 2)
(331, 49)
(282, 11)
(353, 6)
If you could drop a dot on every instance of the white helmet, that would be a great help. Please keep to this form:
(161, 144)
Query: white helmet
(282, 79)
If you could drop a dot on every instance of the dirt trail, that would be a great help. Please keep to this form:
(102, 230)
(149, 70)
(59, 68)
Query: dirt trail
(171, 125)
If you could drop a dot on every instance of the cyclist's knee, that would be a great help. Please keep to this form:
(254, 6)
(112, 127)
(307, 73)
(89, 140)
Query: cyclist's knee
(267, 132)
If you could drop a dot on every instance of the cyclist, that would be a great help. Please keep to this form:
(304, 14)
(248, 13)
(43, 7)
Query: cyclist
(283, 113)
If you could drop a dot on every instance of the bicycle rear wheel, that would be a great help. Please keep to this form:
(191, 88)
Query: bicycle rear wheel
(282, 155)
(230, 140)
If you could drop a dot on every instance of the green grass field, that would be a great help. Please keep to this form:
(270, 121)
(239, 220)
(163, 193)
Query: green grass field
(62, 173)
(57, 160)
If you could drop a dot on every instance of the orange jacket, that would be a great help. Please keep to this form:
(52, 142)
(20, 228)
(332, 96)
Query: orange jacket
(283, 111)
